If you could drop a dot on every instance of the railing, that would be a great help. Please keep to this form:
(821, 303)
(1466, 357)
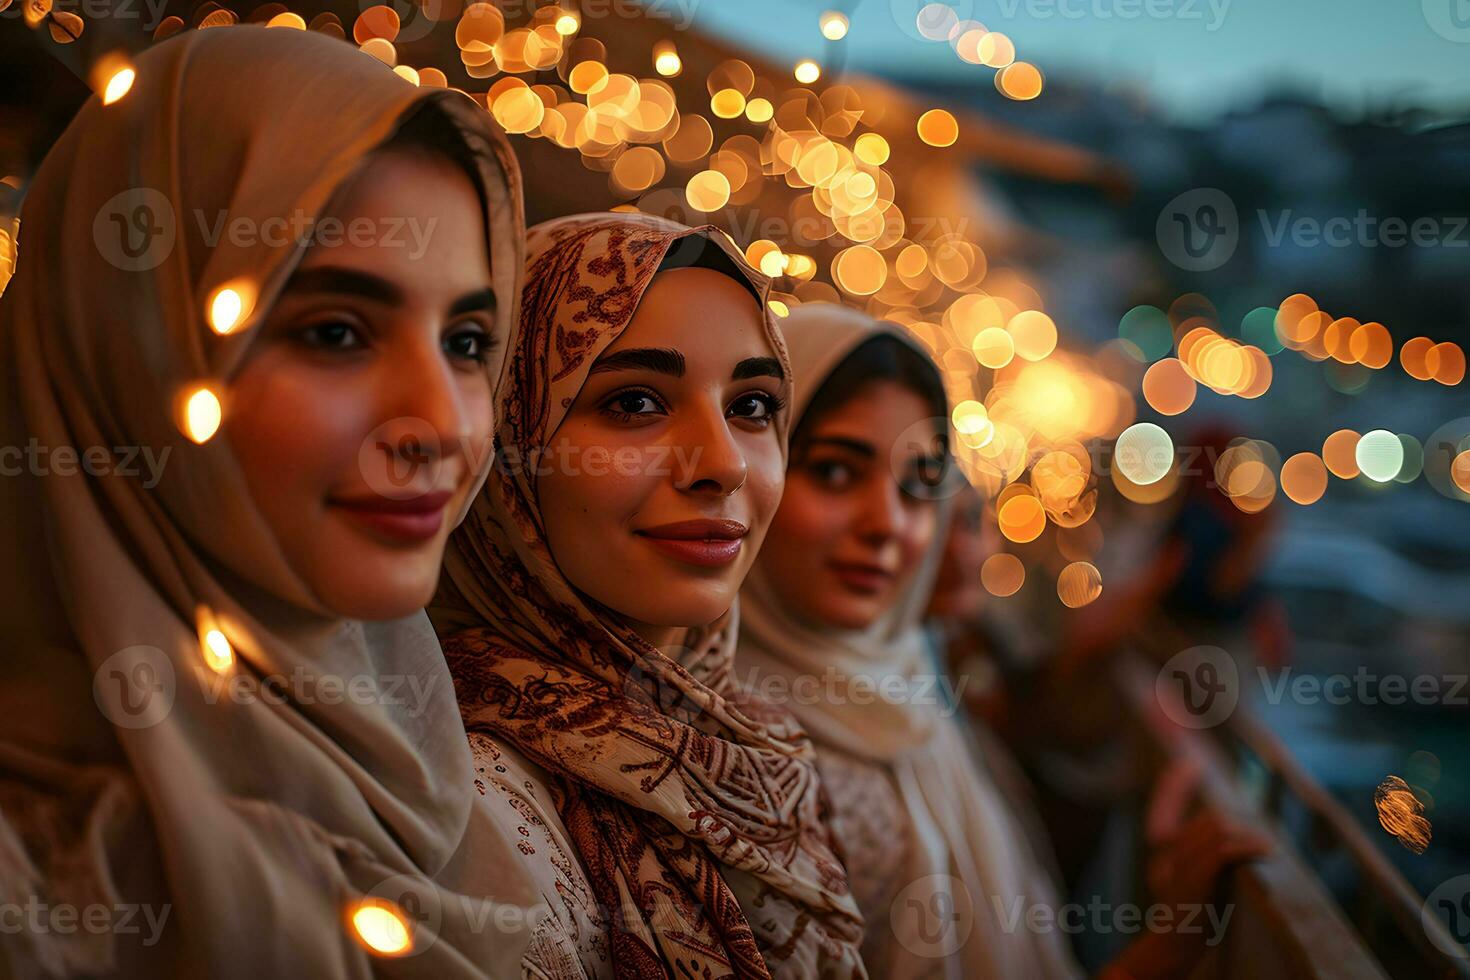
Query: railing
(1285, 922)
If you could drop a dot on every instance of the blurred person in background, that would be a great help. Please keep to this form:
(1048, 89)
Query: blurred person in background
(833, 618)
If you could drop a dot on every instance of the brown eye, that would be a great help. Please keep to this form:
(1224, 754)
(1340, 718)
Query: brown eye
(331, 335)
(757, 406)
(470, 345)
(632, 403)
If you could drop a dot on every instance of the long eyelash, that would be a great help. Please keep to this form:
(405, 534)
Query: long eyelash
(774, 403)
(612, 399)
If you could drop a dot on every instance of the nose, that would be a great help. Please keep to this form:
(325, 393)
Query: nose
(713, 462)
(428, 418)
(880, 511)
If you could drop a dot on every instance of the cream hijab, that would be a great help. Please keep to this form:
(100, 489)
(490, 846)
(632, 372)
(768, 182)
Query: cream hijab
(969, 851)
(696, 810)
(254, 823)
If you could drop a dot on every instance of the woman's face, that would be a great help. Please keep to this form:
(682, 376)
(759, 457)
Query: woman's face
(857, 513)
(661, 481)
(363, 411)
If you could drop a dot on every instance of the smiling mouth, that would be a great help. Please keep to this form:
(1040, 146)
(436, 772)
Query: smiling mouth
(704, 543)
(397, 521)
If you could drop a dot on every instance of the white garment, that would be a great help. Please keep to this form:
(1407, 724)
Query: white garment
(961, 910)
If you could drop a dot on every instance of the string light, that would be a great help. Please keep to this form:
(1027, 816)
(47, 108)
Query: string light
(381, 927)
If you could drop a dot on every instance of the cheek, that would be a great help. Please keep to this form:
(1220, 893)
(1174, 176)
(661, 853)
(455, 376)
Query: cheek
(765, 480)
(808, 523)
(918, 534)
(295, 429)
(587, 486)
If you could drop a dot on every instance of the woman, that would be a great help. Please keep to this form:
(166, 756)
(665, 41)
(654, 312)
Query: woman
(943, 869)
(588, 612)
(228, 743)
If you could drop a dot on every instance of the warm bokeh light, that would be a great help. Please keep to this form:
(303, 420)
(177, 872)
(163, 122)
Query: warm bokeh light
(666, 59)
(1022, 518)
(118, 85)
(1413, 355)
(1020, 81)
(1079, 584)
(201, 414)
(1002, 574)
(1304, 478)
(1167, 387)
(708, 190)
(860, 270)
(993, 347)
(872, 149)
(1034, 333)
(381, 927)
(228, 307)
(1340, 453)
(834, 25)
(1401, 813)
(1445, 363)
(807, 71)
(938, 127)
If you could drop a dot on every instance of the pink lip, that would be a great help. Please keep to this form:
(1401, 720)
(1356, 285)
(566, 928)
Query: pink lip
(705, 542)
(415, 520)
(862, 578)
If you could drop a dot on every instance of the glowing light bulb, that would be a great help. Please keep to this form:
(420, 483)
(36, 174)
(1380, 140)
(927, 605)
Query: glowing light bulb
(382, 927)
(808, 71)
(118, 85)
(202, 415)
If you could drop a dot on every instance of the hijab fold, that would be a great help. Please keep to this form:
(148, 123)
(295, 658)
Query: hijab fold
(130, 775)
(966, 848)
(696, 809)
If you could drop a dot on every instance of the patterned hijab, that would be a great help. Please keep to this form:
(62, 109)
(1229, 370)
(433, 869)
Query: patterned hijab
(695, 809)
(129, 775)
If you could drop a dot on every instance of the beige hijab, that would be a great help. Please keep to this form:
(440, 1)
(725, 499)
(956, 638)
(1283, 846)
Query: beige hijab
(695, 810)
(129, 776)
(968, 850)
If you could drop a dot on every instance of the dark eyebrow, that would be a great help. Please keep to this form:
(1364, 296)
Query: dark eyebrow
(661, 359)
(758, 367)
(334, 279)
(858, 446)
(477, 302)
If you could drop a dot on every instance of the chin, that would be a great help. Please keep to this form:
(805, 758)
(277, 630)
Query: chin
(684, 613)
(378, 598)
(850, 613)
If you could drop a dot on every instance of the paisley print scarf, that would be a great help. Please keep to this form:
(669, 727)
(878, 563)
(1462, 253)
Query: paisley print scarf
(696, 809)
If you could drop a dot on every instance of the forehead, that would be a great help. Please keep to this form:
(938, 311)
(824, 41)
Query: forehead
(411, 215)
(878, 411)
(705, 315)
